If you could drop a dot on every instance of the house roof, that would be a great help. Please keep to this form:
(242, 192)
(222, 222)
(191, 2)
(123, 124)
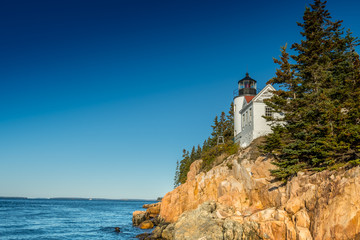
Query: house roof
(249, 98)
(267, 87)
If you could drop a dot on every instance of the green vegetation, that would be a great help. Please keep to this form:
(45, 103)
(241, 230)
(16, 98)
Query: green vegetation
(319, 95)
(213, 148)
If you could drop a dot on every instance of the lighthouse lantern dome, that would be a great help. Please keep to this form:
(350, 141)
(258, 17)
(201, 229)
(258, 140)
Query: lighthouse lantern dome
(247, 86)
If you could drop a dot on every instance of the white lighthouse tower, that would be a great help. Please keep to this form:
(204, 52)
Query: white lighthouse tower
(247, 91)
(249, 109)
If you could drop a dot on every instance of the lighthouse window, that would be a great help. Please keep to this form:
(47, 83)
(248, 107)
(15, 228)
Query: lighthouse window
(247, 84)
(268, 112)
(247, 117)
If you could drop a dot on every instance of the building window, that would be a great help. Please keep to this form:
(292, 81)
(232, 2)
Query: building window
(243, 120)
(268, 111)
(250, 115)
(247, 117)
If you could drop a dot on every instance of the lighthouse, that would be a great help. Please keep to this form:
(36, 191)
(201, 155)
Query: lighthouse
(246, 92)
(247, 86)
(249, 109)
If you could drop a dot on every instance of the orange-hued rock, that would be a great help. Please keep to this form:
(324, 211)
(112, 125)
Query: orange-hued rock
(242, 186)
(323, 205)
(301, 219)
(138, 217)
(146, 224)
(274, 224)
(153, 210)
(332, 202)
(137, 212)
(151, 205)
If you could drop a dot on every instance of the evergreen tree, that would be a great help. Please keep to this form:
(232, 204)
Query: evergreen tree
(229, 125)
(222, 124)
(215, 133)
(177, 175)
(206, 144)
(198, 152)
(219, 127)
(192, 155)
(184, 166)
(319, 97)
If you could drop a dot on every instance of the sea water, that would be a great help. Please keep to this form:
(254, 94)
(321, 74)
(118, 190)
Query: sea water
(49, 219)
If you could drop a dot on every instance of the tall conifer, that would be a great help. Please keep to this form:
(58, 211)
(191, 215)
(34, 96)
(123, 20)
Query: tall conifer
(177, 175)
(229, 125)
(319, 97)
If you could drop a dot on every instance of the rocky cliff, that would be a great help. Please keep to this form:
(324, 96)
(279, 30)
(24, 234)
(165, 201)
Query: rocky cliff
(247, 203)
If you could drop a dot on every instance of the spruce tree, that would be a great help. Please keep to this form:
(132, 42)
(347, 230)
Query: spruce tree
(229, 125)
(319, 97)
(198, 152)
(215, 132)
(184, 166)
(222, 124)
(177, 175)
(206, 145)
(192, 155)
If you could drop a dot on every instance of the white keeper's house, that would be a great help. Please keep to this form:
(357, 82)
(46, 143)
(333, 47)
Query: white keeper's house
(249, 107)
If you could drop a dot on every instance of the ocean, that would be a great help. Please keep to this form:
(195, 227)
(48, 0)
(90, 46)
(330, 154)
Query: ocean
(51, 219)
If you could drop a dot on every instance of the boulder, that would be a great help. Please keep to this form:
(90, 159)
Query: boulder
(153, 210)
(168, 232)
(199, 224)
(157, 220)
(146, 206)
(138, 217)
(203, 223)
(157, 232)
(143, 236)
(147, 224)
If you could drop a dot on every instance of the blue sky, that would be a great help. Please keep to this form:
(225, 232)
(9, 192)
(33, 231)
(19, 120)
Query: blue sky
(98, 98)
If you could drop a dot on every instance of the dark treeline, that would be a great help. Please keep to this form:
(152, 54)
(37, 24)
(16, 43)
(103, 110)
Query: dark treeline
(219, 142)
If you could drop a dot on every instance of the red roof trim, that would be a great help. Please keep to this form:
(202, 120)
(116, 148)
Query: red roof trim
(249, 98)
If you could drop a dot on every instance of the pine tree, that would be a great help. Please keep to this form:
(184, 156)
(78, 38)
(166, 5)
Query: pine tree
(177, 175)
(319, 97)
(206, 144)
(222, 124)
(184, 166)
(192, 155)
(198, 152)
(215, 133)
(229, 125)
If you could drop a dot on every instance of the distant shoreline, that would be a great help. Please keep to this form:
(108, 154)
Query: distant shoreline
(74, 198)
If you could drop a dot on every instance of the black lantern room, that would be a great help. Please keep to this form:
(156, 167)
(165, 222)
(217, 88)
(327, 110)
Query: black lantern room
(247, 86)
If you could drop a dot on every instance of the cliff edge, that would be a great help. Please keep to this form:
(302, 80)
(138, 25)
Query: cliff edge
(246, 202)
